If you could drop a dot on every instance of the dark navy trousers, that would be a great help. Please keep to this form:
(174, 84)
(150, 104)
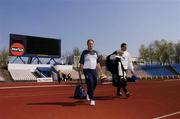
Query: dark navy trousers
(91, 81)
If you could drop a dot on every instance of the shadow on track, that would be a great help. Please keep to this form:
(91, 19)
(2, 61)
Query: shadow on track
(64, 104)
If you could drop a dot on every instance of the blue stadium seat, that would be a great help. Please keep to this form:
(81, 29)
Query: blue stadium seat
(44, 71)
(156, 70)
(176, 67)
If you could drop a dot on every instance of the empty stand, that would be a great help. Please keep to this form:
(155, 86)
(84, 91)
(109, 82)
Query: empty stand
(139, 72)
(156, 70)
(176, 67)
(44, 71)
(68, 69)
(22, 75)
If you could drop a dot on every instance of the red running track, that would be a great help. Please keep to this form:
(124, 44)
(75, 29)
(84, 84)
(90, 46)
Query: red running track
(149, 99)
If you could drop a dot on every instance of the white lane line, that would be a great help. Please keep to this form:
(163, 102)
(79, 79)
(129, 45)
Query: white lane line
(167, 115)
(172, 80)
(42, 86)
(29, 95)
(33, 95)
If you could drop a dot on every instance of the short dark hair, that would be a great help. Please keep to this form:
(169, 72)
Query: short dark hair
(90, 40)
(123, 44)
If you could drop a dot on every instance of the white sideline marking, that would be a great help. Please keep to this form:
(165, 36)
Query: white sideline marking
(173, 80)
(42, 86)
(167, 115)
(29, 95)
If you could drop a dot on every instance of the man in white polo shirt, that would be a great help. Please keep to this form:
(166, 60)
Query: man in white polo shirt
(89, 63)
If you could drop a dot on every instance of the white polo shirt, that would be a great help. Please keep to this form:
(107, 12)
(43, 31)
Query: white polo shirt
(89, 59)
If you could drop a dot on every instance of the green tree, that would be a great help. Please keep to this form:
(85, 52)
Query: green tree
(76, 57)
(177, 52)
(4, 58)
(160, 51)
(163, 51)
(150, 52)
(143, 51)
(157, 50)
(76, 52)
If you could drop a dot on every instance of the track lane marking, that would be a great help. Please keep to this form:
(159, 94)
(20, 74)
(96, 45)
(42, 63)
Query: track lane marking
(42, 86)
(167, 115)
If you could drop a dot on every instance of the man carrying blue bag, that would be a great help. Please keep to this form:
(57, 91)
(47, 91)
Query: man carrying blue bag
(89, 63)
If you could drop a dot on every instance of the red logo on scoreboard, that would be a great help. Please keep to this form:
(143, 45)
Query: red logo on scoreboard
(17, 49)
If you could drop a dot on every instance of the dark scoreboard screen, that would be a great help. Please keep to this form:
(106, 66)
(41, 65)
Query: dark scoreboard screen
(34, 46)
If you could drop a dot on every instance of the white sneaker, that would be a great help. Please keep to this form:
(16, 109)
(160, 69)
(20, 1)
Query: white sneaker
(92, 102)
(87, 97)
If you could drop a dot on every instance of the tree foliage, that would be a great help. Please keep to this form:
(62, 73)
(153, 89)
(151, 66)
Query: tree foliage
(4, 58)
(160, 52)
(76, 57)
(76, 52)
(177, 53)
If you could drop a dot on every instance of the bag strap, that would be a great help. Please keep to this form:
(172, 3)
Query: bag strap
(80, 80)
